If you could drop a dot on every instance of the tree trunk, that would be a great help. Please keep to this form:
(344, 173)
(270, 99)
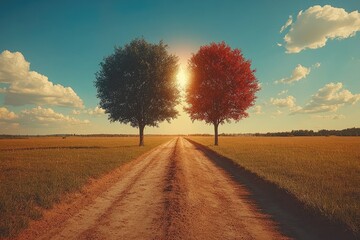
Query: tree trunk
(141, 133)
(216, 125)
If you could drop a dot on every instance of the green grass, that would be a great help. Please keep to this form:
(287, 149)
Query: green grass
(36, 172)
(322, 172)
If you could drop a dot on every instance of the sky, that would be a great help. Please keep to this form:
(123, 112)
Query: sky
(306, 55)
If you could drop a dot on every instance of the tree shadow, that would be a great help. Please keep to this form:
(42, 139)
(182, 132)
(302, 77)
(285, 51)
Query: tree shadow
(294, 218)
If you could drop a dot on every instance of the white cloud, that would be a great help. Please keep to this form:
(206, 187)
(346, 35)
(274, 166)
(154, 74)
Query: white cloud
(287, 24)
(5, 114)
(7, 119)
(330, 117)
(329, 99)
(289, 101)
(47, 116)
(30, 87)
(317, 24)
(75, 112)
(298, 73)
(97, 111)
(37, 117)
(257, 110)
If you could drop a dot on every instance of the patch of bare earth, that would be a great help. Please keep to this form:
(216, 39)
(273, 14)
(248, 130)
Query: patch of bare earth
(173, 192)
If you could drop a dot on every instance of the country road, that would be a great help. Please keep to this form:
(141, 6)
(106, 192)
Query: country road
(173, 192)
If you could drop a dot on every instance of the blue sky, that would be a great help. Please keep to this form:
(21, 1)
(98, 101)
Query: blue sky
(64, 42)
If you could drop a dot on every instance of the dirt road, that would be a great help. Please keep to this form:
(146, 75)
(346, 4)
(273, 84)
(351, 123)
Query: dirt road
(174, 192)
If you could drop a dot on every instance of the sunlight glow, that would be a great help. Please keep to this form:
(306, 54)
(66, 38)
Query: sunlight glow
(182, 77)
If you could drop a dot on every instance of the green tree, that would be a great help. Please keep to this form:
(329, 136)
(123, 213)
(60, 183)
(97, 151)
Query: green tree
(137, 85)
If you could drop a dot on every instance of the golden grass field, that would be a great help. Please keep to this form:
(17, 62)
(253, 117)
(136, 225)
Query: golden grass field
(36, 172)
(322, 172)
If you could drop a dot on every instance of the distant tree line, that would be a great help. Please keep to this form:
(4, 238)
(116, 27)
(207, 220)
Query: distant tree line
(345, 132)
(9, 136)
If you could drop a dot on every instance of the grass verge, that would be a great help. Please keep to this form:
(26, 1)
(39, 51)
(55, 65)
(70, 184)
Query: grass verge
(36, 172)
(322, 172)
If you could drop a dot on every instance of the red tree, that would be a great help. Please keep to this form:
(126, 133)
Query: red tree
(221, 85)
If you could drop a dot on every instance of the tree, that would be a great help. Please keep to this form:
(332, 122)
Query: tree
(137, 85)
(221, 87)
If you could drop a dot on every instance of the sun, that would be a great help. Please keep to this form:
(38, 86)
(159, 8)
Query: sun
(182, 77)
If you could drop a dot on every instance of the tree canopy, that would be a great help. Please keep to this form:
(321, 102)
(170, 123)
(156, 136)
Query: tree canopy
(221, 87)
(137, 85)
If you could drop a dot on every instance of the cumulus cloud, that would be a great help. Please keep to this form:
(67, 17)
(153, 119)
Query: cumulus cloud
(76, 112)
(289, 101)
(47, 116)
(329, 99)
(7, 119)
(30, 87)
(298, 73)
(287, 24)
(5, 114)
(37, 117)
(316, 25)
(97, 111)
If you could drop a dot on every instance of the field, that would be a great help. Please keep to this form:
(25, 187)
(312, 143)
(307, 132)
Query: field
(323, 172)
(36, 172)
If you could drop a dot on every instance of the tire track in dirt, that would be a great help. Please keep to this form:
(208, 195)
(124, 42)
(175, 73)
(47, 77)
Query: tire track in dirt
(175, 196)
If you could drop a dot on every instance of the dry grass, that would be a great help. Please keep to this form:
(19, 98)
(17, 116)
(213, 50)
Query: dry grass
(36, 172)
(323, 172)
